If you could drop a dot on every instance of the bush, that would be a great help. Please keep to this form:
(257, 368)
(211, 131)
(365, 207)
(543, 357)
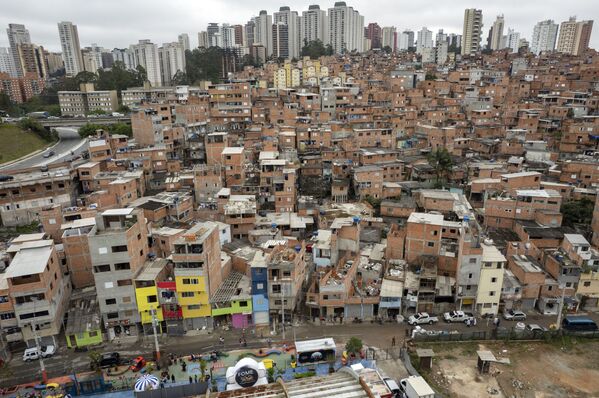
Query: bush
(354, 346)
(117, 128)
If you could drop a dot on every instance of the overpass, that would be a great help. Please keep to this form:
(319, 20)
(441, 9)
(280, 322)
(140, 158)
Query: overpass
(78, 122)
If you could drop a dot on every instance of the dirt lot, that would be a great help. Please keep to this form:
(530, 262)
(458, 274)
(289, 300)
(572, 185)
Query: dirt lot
(566, 368)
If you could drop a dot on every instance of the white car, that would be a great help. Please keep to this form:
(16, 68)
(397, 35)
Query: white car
(457, 316)
(513, 315)
(422, 318)
(33, 353)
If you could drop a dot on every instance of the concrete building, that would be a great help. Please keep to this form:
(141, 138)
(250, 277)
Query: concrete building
(543, 37)
(291, 19)
(21, 89)
(513, 40)
(203, 39)
(406, 40)
(86, 100)
(574, 36)
(123, 55)
(118, 251)
(145, 53)
(345, 29)
(37, 288)
(263, 31)
(172, 60)
(183, 40)
(496, 34)
(7, 62)
(313, 25)
(17, 34)
(373, 33)
(280, 41)
(389, 37)
(71, 50)
(472, 31)
(198, 273)
(491, 279)
(425, 40)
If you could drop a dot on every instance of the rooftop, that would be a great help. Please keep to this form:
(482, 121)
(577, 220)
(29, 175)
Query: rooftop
(29, 261)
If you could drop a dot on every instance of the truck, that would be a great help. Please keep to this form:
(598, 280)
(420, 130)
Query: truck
(457, 316)
(416, 387)
(422, 318)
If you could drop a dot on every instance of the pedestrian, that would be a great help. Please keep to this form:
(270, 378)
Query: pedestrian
(190, 380)
(393, 342)
(468, 322)
(245, 343)
(473, 321)
(269, 341)
(240, 341)
(195, 378)
(173, 378)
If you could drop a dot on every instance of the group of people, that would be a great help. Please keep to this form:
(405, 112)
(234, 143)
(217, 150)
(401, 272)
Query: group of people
(471, 321)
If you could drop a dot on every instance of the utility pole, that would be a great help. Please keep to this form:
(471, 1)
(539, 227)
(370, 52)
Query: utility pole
(38, 347)
(283, 309)
(154, 321)
(561, 309)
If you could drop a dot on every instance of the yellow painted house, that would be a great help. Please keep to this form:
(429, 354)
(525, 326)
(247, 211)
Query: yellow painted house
(192, 295)
(146, 291)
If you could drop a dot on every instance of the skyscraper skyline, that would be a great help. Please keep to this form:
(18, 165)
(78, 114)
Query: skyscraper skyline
(71, 49)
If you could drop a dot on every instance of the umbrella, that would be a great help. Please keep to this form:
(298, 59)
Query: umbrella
(52, 385)
(147, 382)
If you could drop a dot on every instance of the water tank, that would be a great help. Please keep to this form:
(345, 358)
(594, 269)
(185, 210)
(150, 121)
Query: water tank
(298, 248)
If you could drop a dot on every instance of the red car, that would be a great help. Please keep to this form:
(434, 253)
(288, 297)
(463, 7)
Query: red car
(137, 364)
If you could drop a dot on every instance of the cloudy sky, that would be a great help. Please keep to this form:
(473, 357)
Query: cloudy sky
(118, 23)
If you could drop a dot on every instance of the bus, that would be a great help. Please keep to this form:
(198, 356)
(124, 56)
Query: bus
(579, 323)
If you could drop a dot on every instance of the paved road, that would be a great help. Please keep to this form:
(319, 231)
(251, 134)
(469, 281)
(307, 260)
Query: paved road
(66, 361)
(69, 141)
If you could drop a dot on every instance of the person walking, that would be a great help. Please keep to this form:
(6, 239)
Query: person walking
(195, 378)
(393, 342)
(190, 380)
(173, 378)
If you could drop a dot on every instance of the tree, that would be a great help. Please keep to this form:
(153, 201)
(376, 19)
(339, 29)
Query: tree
(375, 203)
(354, 346)
(577, 212)
(387, 49)
(314, 49)
(204, 64)
(95, 359)
(116, 128)
(430, 76)
(180, 78)
(441, 161)
(329, 50)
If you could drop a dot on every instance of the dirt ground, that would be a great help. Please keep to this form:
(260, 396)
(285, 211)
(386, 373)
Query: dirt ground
(561, 369)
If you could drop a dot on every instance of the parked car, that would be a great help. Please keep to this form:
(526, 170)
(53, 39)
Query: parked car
(49, 154)
(110, 359)
(393, 386)
(33, 353)
(4, 177)
(514, 315)
(422, 318)
(533, 327)
(457, 316)
(137, 364)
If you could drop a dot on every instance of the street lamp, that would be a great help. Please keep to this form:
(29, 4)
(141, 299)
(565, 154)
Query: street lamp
(154, 322)
(37, 344)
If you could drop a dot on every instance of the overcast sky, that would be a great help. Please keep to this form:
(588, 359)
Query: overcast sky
(118, 23)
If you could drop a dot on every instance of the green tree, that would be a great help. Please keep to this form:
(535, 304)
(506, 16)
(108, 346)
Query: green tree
(354, 346)
(430, 76)
(204, 64)
(117, 128)
(375, 203)
(387, 49)
(314, 49)
(577, 212)
(180, 78)
(441, 161)
(94, 360)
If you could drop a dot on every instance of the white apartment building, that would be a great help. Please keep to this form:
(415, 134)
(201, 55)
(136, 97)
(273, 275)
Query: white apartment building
(123, 55)
(472, 31)
(513, 40)
(263, 31)
(497, 33)
(183, 40)
(145, 53)
(543, 37)
(71, 50)
(346, 28)
(7, 62)
(425, 40)
(488, 294)
(172, 60)
(389, 38)
(17, 34)
(291, 19)
(203, 39)
(313, 25)
(406, 40)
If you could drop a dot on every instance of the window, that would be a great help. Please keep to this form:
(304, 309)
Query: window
(111, 301)
(435, 233)
(101, 268)
(93, 333)
(187, 294)
(122, 266)
(112, 315)
(586, 283)
(119, 249)
(491, 293)
(472, 260)
(124, 282)
(276, 288)
(260, 286)
(108, 285)
(430, 244)
(469, 276)
(194, 307)
(493, 280)
(152, 299)
(138, 236)
(126, 299)
(190, 281)
(243, 303)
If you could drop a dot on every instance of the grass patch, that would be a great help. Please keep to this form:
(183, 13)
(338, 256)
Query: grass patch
(17, 143)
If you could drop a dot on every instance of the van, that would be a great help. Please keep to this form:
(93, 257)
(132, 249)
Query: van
(33, 353)
(579, 323)
(393, 386)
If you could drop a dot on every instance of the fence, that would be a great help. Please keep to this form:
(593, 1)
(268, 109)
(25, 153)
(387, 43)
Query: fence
(502, 334)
